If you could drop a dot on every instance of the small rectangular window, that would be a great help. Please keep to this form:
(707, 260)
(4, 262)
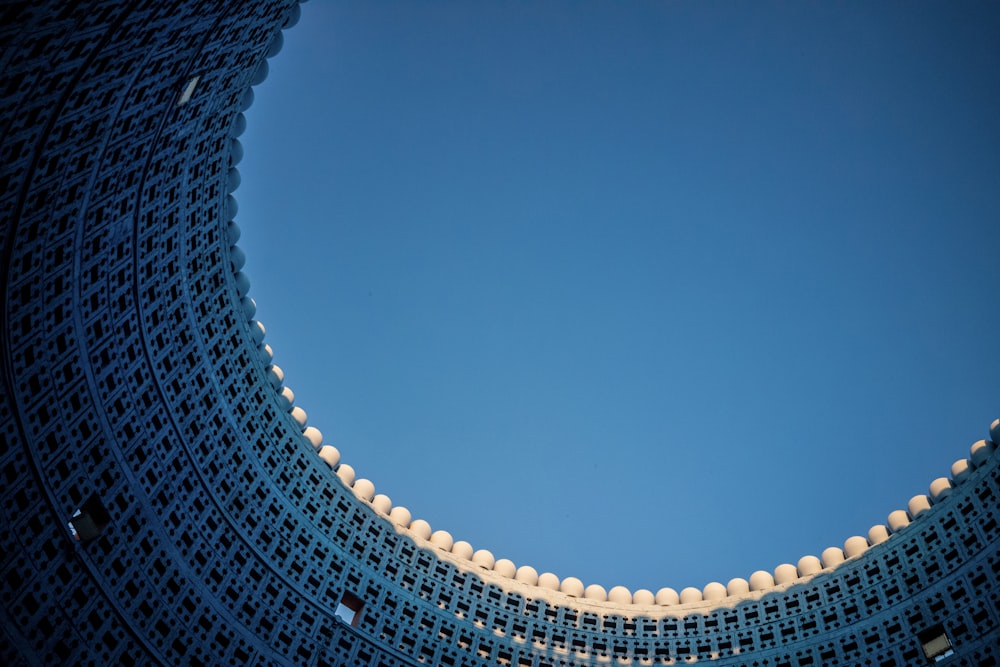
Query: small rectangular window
(90, 520)
(935, 643)
(349, 609)
(188, 91)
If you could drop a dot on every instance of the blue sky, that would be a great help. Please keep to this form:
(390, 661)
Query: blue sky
(650, 294)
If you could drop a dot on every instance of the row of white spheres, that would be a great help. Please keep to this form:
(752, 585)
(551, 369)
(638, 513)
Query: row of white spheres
(275, 376)
(364, 489)
(758, 581)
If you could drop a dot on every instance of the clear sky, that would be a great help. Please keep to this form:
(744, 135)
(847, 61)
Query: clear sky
(650, 293)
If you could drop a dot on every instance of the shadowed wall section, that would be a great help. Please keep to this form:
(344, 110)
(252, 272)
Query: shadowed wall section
(165, 503)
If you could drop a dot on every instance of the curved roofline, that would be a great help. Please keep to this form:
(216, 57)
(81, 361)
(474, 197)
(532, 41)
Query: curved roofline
(525, 578)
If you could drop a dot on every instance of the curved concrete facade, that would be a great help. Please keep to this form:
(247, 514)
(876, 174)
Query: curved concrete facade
(167, 502)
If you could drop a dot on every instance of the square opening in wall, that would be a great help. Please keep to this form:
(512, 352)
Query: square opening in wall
(349, 609)
(89, 522)
(935, 643)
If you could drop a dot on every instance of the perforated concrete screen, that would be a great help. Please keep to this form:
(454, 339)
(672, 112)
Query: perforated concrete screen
(163, 502)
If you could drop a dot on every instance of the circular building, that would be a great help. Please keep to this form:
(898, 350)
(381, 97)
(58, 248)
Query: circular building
(167, 502)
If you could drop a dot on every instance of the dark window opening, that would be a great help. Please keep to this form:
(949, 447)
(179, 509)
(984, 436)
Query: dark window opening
(935, 643)
(349, 609)
(89, 522)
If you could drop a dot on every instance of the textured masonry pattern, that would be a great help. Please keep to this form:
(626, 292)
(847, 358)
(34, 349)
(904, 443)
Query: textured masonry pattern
(132, 370)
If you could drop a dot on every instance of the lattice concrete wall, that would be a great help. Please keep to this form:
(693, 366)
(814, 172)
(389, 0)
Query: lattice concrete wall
(135, 384)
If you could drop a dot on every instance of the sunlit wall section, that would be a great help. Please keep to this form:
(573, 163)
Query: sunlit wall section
(166, 503)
